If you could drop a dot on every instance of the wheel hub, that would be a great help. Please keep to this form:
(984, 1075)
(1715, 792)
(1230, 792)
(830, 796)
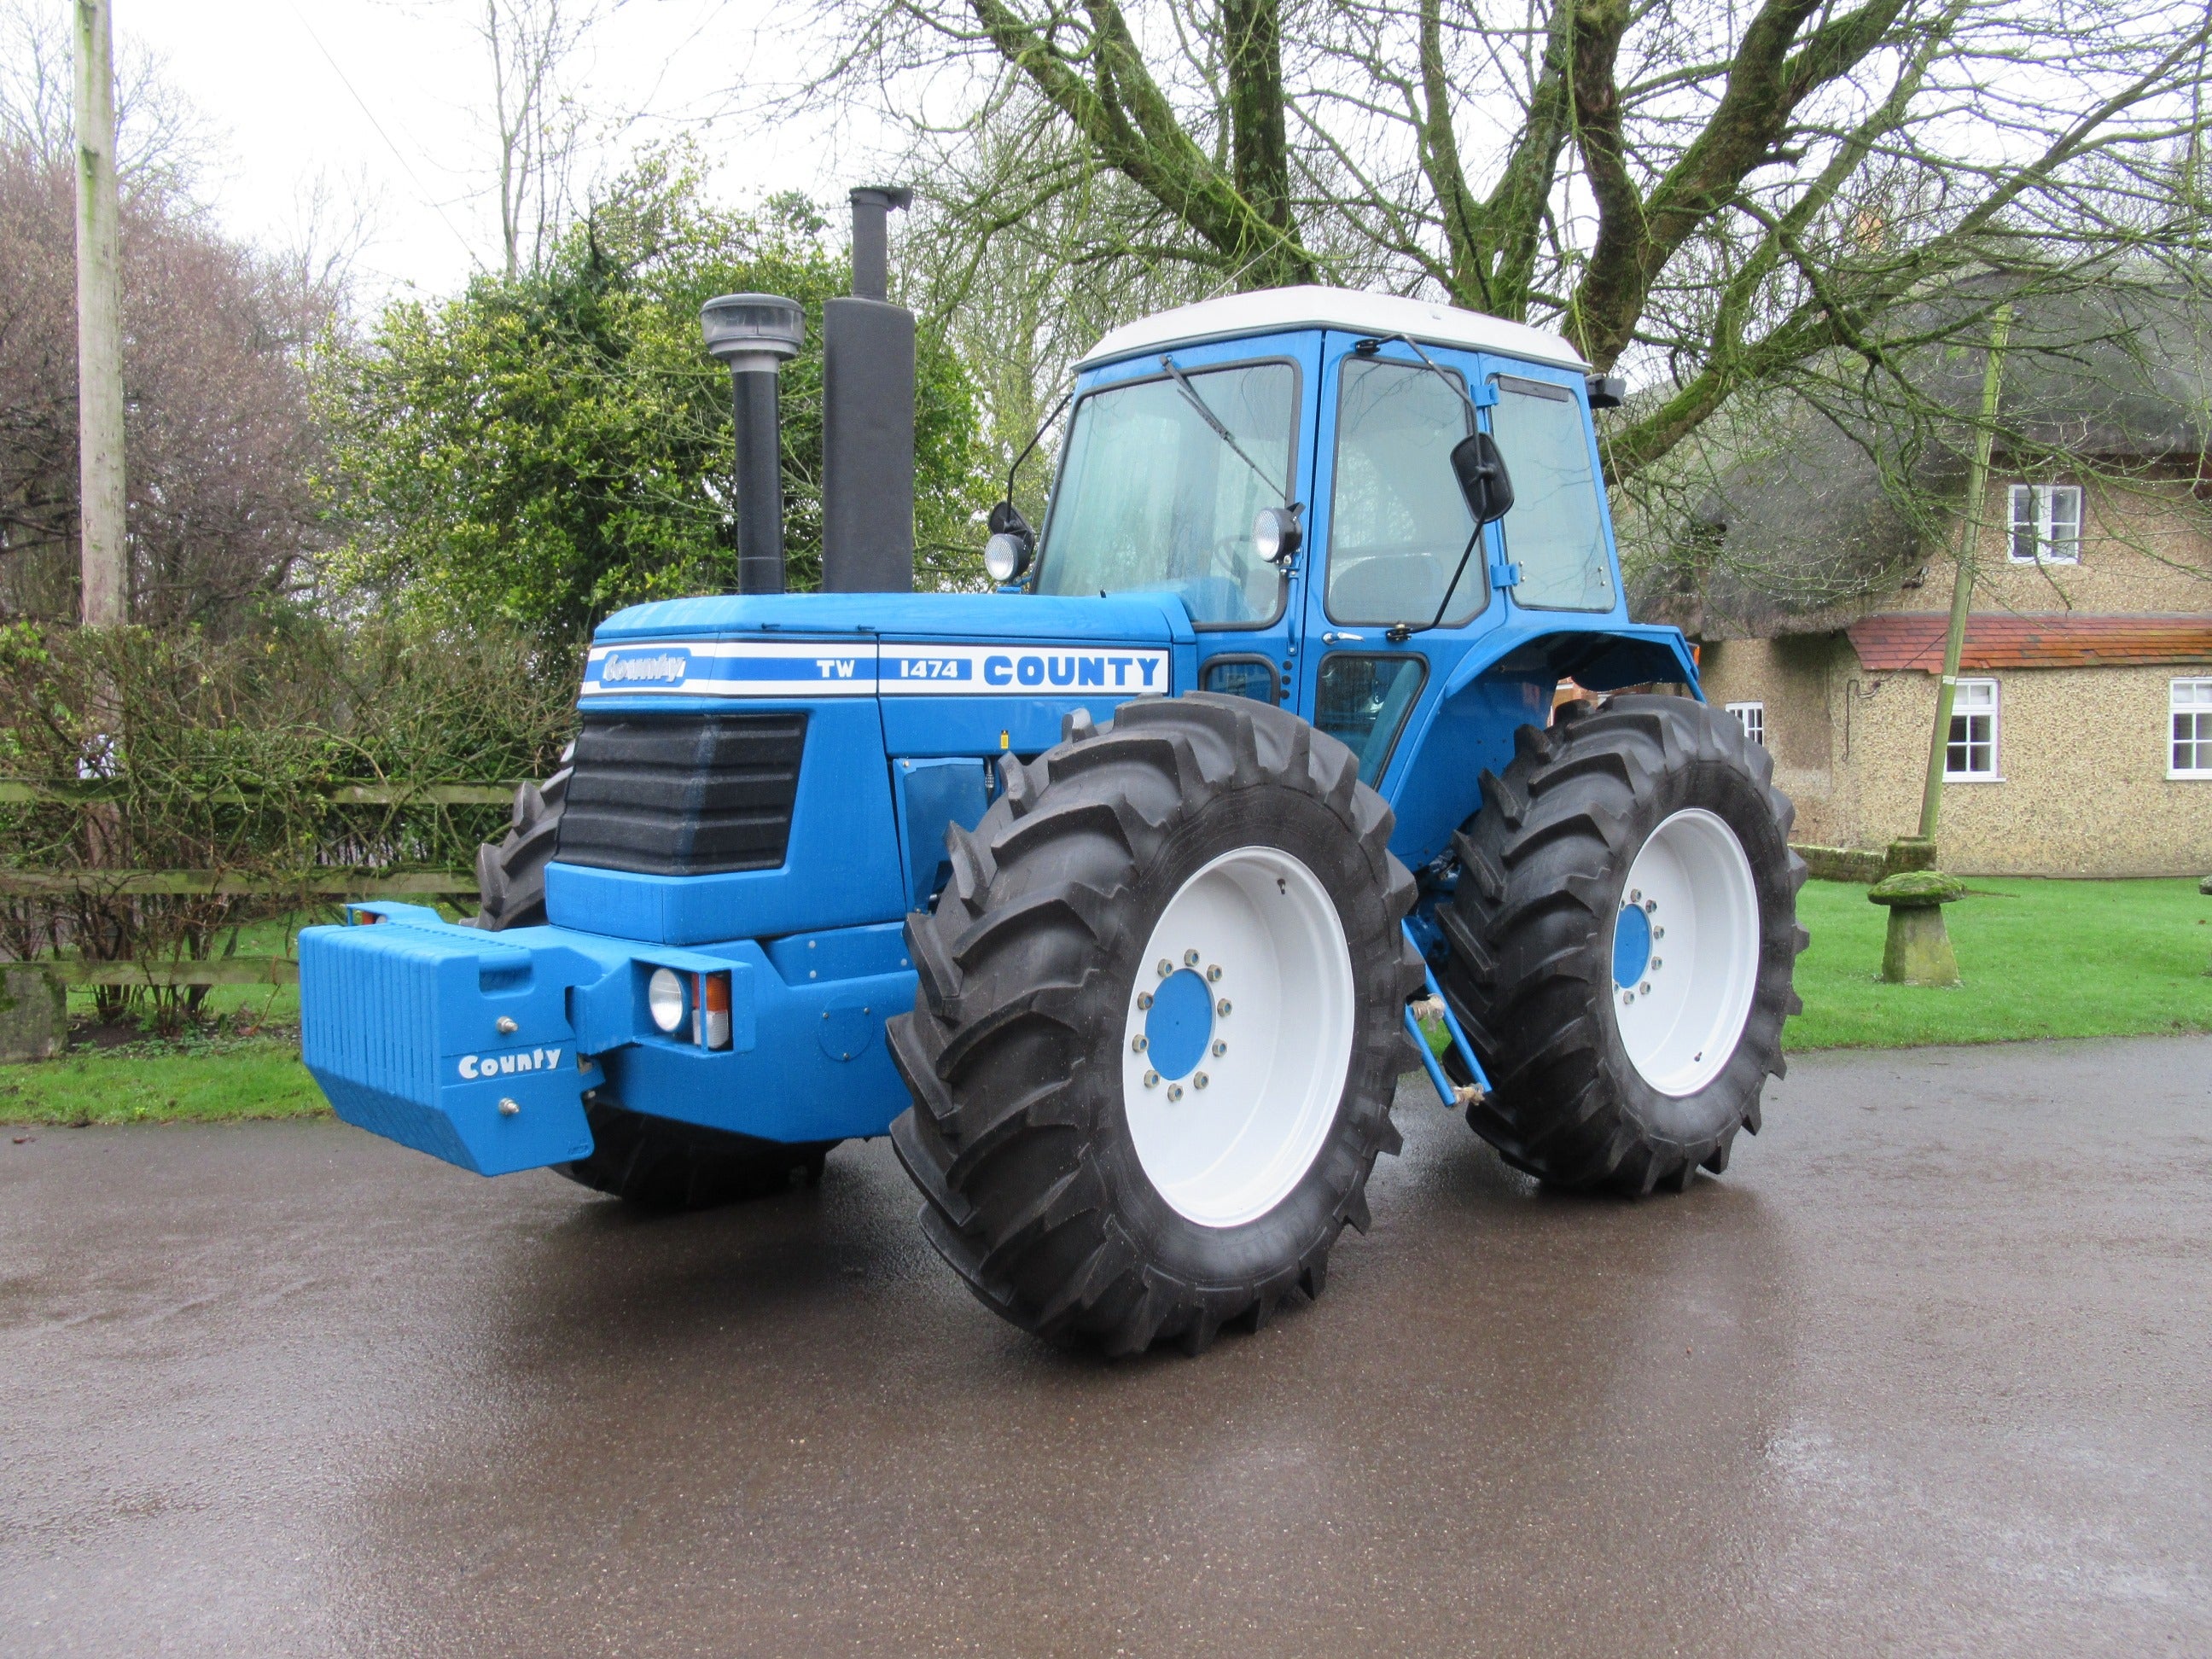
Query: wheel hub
(1180, 1023)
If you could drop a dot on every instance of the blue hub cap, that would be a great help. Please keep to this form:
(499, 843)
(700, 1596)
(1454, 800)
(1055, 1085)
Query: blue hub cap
(1179, 1023)
(1631, 945)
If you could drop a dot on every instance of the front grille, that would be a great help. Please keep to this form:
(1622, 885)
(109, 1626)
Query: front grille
(683, 794)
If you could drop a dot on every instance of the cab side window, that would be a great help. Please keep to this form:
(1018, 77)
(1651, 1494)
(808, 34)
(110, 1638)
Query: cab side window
(1397, 522)
(1553, 532)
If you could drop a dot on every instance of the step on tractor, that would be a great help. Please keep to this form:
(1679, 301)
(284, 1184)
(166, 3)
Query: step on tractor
(1307, 744)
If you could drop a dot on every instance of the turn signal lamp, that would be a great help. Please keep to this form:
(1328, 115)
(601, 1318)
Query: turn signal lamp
(715, 998)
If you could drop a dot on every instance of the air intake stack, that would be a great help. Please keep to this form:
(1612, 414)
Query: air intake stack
(868, 415)
(756, 334)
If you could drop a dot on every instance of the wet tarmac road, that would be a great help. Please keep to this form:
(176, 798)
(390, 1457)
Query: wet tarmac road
(1927, 1372)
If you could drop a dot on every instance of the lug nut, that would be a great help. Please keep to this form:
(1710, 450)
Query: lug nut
(1636, 895)
(1139, 1043)
(1222, 1007)
(1198, 1080)
(1626, 997)
(1656, 964)
(1645, 987)
(1174, 1092)
(1213, 974)
(509, 1106)
(1190, 959)
(1166, 967)
(1649, 905)
(1658, 933)
(506, 1025)
(1144, 999)
(1219, 1048)
(1151, 1080)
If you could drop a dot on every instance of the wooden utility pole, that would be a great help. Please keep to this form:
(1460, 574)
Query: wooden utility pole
(1962, 586)
(99, 325)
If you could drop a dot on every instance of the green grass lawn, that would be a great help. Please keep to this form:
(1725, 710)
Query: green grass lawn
(154, 1083)
(2041, 959)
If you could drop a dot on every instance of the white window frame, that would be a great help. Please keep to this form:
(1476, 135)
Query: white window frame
(2189, 699)
(2043, 524)
(1752, 716)
(1967, 703)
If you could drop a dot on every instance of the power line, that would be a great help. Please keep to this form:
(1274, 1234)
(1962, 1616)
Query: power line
(436, 206)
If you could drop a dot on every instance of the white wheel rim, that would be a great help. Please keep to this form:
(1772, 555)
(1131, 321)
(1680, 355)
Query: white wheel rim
(1685, 952)
(1230, 1097)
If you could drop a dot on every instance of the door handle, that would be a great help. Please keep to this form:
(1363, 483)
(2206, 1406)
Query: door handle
(1333, 638)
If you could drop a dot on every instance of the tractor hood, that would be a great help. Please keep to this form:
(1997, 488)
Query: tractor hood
(806, 645)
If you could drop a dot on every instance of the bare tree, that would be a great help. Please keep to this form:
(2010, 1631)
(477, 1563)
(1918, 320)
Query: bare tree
(1712, 197)
(539, 121)
(161, 141)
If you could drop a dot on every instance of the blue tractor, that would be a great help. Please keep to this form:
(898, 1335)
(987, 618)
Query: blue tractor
(1122, 897)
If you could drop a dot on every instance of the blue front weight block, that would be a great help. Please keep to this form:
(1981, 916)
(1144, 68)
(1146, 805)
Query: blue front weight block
(480, 1048)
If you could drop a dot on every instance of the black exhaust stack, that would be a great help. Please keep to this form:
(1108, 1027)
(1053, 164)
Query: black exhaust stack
(755, 334)
(868, 415)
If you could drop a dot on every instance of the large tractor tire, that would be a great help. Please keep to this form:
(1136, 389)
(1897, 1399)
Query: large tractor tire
(655, 1162)
(1623, 936)
(511, 871)
(1159, 1023)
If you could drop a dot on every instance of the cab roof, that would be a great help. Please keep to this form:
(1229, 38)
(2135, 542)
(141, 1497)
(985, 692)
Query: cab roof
(1274, 310)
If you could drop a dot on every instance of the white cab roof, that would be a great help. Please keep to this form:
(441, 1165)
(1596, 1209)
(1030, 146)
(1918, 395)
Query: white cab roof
(1272, 310)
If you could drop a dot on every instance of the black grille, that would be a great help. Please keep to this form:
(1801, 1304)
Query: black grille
(683, 794)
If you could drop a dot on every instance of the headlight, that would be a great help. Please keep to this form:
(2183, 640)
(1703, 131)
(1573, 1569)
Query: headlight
(1006, 556)
(665, 998)
(1275, 533)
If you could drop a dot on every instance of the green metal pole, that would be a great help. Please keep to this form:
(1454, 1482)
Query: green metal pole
(1962, 586)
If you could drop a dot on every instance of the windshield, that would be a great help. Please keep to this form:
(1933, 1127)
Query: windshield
(1151, 497)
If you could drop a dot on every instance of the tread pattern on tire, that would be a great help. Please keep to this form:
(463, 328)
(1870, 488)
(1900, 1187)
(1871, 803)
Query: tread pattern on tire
(1529, 972)
(1026, 962)
(654, 1162)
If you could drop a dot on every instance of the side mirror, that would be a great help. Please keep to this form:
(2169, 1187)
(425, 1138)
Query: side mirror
(1276, 533)
(1482, 477)
(1006, 556)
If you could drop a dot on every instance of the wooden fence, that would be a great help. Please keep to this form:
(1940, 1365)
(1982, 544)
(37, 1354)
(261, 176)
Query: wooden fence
(330, 883)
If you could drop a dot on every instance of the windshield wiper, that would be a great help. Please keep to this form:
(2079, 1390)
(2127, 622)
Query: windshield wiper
(1190, 391)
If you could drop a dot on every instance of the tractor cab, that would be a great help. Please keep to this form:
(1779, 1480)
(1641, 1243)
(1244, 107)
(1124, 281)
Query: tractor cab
(1199, 436)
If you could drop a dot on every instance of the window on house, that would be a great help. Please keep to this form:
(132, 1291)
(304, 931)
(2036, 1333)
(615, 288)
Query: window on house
(1752, 716)
(1972, 751)
(2046, 524)
(2190, 707)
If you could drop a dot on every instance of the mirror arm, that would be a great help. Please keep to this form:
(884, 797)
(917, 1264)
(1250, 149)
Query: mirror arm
(1035, 439)
(1398, 633)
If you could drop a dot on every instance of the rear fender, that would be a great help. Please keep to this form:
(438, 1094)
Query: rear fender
(1503, 683)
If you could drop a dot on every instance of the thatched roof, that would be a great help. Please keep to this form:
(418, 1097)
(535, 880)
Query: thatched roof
(1837, 500)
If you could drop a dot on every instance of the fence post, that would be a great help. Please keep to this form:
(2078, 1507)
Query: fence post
(33, 1012)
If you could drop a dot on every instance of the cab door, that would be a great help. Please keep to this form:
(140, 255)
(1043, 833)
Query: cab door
(1393, 546)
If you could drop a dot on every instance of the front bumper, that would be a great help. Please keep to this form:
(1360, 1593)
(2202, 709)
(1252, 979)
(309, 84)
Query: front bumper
(480, 1048)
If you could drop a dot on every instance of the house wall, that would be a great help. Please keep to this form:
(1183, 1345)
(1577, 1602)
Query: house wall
(2144, 547)
(2082, 786)
(2082, 759)
(1795, 678)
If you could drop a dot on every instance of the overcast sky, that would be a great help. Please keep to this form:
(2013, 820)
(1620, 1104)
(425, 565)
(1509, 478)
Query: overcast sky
(382, 100)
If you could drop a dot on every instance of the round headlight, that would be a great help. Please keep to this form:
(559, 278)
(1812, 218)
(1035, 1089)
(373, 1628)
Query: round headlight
(1006, 556)
(1275, 534)
(664, 997)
